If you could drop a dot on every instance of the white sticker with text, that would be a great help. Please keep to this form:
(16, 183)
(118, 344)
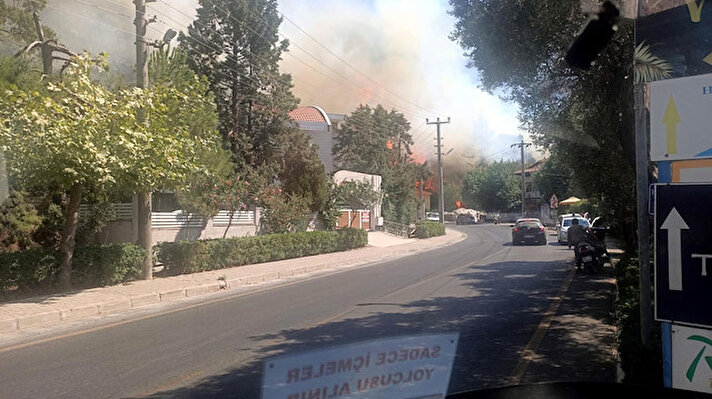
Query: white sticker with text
(401, 367)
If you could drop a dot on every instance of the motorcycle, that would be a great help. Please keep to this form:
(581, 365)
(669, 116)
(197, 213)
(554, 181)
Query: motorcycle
(593, 255)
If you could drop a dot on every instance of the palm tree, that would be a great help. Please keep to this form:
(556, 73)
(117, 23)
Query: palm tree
(647, 66)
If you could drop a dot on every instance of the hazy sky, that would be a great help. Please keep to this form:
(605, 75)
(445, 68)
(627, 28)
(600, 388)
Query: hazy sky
(396, 52)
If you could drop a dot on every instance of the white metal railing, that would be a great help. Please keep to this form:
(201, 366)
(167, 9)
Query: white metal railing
(176, 220)
(238, 217)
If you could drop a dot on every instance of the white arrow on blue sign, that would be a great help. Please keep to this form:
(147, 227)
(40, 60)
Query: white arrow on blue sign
(683, 247)
(674, 224)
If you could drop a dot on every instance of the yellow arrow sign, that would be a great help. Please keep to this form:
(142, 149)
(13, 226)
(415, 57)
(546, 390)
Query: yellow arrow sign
(670, 120)
(708, 59)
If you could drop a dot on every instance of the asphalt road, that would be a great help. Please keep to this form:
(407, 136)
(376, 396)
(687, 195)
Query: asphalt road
(492, 293)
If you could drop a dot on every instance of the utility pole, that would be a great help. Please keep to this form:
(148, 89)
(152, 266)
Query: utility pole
(441, 195)
(521, 146)
(144, 198)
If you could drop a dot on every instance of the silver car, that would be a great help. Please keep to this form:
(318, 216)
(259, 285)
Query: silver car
(564, 227)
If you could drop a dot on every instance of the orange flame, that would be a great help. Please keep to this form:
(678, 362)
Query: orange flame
(416, 156)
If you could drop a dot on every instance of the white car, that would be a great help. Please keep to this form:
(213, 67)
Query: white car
(433, 216)
(564, 227)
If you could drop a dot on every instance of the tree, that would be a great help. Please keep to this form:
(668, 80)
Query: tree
(19, 221)
(377, 141)
(554, 178)
(236, 45)
(400, 201)
(373, 140)
(78, 135)
(583, 117)
(18, 25)
(283, 213)
(493, 187)
(301, 171)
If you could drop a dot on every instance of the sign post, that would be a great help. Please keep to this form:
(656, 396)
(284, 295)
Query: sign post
(553, 201)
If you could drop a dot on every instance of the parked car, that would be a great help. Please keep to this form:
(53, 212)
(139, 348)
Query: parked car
(528, 230)
(560, 220)
(562, 228)
(465, 218)
(433, 216)
(599, 228)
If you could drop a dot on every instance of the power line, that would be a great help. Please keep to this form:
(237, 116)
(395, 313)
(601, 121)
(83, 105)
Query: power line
(346, 79)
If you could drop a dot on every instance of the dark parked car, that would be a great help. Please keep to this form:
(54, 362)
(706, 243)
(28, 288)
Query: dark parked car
(528, 231)
(465, 218)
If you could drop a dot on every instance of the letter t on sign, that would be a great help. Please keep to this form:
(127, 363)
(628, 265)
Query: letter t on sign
(704, 261)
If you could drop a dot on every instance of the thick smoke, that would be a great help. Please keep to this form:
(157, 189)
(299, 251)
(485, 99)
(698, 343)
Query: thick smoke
(400, 52)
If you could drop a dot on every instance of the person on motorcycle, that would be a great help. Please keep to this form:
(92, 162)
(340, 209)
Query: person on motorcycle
(575, 234)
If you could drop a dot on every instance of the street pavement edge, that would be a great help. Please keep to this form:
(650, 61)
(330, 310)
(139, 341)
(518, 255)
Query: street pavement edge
(85, 311)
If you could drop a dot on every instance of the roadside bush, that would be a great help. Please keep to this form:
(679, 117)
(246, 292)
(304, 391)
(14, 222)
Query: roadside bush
(28, 270)
(196, 256)
(110, 264)
(641, 365)
(93, 266)
(18, 222)
(350, 238)
(427, 229)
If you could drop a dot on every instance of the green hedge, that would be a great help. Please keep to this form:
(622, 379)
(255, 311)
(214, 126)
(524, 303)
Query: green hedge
(427, 229)
(195, 256)
(641, 364)
(92, 266)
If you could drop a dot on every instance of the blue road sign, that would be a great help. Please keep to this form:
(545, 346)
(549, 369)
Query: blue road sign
(683, 253)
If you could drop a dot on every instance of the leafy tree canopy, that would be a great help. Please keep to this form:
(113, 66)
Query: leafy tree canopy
(583, 117)
(493, 187)
(236, 45)
(554, 178)
(372, 140)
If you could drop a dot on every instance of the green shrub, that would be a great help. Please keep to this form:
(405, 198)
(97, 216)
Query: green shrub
(195, 256)
(106, 264)
(350, 238)
(28, 270)
(427, 229)
(641, 364)
(92, 266)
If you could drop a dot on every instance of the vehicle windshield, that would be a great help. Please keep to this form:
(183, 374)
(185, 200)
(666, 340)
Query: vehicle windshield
(352, 199)
(581, 221)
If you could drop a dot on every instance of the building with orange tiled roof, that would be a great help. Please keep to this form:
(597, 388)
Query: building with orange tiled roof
(320, 126)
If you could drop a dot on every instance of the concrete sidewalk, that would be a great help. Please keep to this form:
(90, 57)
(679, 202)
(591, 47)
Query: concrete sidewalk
(54, 309)
(580, 344)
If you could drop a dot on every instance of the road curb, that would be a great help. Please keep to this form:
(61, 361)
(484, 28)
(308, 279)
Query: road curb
(84, 311)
